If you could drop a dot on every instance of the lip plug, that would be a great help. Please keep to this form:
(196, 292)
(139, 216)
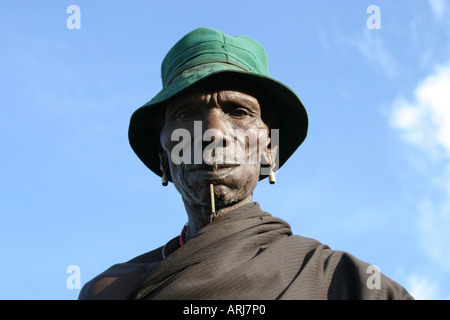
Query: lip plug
(213, 207)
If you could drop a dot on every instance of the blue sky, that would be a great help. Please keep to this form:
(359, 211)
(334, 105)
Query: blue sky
(372, 177)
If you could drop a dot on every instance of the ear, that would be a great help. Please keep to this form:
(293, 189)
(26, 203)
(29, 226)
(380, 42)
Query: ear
(269, 157)
(163, 161)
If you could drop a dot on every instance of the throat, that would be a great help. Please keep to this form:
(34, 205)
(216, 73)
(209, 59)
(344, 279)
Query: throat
(200, 216)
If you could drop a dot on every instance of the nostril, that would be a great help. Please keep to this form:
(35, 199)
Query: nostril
(214, 146)
(213, 135)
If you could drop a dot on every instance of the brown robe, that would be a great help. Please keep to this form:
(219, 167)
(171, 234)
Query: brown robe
(249, 254)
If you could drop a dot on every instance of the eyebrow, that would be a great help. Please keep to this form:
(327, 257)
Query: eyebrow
(180, 104)
(183, 101)
(244, 100)
(196, 100)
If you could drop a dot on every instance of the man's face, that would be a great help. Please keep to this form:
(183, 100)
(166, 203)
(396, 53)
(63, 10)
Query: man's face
(214, 137)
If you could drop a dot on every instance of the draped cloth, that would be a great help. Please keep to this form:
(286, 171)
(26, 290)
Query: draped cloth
(249, 254)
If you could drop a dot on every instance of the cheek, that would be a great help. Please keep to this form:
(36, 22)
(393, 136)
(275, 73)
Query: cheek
(244, 180)
(249, 148)
(174, 143)
(165, 139)
(191, 189)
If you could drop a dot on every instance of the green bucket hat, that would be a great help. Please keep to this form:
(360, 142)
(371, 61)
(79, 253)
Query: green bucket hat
(204, 54)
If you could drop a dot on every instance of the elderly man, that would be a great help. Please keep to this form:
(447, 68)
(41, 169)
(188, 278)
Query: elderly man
(219, 126)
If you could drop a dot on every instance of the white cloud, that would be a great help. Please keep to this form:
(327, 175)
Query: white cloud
(434, 225)
(421, 288)
(371, 45)
(438, 7)
(425, 124)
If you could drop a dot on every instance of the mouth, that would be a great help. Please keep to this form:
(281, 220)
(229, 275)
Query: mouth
(212, 167)
(213, 173)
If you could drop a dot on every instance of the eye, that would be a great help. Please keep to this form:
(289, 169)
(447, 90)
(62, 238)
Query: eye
(182, 115)
(238, 111)
(186, 112)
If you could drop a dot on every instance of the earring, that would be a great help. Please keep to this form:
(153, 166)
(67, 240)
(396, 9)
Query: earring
(272, 179)
(165, 179)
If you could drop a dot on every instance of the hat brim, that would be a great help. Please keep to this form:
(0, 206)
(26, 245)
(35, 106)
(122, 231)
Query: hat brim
(292, 121)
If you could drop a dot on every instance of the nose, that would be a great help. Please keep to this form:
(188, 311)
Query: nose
(216, 128)
(213, 118)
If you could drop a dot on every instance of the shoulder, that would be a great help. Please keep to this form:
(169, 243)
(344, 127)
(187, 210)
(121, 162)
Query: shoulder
(347, 277)
(352, 278)
(117, 281)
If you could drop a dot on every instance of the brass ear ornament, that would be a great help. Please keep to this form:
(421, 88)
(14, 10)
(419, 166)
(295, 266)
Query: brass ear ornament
(272, 179)
(165, 178)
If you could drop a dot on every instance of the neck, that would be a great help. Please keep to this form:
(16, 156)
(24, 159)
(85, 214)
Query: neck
(199, 216)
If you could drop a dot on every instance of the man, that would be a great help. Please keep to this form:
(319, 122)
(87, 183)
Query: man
(218, 127)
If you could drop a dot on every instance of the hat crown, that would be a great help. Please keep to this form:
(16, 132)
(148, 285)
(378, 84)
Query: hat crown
(205, 45)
